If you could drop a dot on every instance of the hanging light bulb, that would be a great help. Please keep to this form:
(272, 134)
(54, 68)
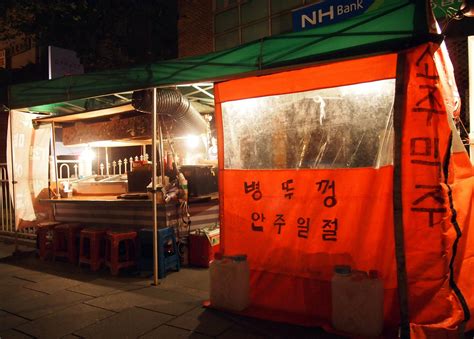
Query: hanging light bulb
(467, 8)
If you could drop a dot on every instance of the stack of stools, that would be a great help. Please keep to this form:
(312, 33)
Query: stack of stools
(168, 255)
(44, 238)
(120, 250)
(65, 241)
(92, 247)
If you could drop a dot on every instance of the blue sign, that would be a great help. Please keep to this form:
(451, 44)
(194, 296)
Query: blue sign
(328, 12)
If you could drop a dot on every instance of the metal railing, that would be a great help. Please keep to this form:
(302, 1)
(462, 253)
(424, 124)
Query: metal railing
(6, 213)
(69, 169)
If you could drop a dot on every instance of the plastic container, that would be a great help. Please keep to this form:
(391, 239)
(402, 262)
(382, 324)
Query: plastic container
(183, 183)
(357, 302)
(230, 282)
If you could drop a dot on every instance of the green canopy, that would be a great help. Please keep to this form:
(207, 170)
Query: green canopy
(387, 25)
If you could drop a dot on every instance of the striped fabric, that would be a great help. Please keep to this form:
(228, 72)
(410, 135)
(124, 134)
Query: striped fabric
(134, 213)
(204, 213)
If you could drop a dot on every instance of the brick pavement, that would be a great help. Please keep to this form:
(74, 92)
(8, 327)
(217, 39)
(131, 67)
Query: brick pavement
(44, 299)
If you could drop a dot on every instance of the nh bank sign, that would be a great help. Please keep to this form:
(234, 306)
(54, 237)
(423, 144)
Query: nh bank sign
(328, 12)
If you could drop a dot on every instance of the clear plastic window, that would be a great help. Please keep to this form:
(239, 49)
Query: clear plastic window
(340, 127)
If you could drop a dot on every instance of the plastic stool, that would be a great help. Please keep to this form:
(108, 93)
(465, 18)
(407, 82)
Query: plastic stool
(113, 259)
(91, 247)
(168, 254)
(65, 241)
(44, 238)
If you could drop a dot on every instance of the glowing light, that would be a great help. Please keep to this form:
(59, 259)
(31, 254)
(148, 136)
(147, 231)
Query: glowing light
(87, 155)
(192, 141)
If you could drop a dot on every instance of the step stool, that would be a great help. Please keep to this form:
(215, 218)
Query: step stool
(65, 241)
(113, 258)
(202, 248)
(92, 247)
(168, 254)
(44, 238)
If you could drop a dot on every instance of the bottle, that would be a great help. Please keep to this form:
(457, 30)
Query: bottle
(183, 184)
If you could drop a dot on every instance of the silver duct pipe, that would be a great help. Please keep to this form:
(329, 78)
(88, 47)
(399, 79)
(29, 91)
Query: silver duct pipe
(175, 108)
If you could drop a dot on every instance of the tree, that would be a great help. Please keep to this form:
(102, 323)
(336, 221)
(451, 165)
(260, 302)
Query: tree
(105, 34)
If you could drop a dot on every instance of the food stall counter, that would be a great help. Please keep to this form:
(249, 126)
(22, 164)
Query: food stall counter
(108, 210)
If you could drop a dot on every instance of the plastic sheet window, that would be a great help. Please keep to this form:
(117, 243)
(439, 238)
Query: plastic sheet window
(341, 127)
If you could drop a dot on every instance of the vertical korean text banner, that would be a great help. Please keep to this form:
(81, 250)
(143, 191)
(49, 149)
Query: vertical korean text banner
(27, 157)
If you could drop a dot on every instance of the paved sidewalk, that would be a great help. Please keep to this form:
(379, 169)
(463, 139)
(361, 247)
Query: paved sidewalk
(45, 299)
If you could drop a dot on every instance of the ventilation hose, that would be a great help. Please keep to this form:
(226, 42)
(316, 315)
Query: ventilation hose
(174, 106)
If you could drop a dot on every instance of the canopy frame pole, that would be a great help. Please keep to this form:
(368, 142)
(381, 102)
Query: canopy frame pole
(154, 184)
(402, 281)
(55, 159)
(12, 154)
(162, 154)
(107, 161)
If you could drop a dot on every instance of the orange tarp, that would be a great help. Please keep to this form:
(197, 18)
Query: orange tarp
(346, 215)
(293, 244)
(429, 230)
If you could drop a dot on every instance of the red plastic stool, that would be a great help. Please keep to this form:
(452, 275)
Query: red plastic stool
(94, 254)
(113, 259)
(64, 241)
(44, 237)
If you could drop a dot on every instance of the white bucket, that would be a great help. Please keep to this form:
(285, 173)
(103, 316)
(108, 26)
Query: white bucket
(230, 283)
(357, 302)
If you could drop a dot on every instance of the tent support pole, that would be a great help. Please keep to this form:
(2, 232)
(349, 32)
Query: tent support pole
(402, 281)
(10, 118)
(154, 185)
(55, 158)
(470, 52)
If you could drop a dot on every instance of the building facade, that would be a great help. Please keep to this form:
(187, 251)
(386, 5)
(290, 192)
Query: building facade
(213, 25)
(205, 26)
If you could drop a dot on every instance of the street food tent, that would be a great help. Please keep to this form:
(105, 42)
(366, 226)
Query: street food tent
(336, 146)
